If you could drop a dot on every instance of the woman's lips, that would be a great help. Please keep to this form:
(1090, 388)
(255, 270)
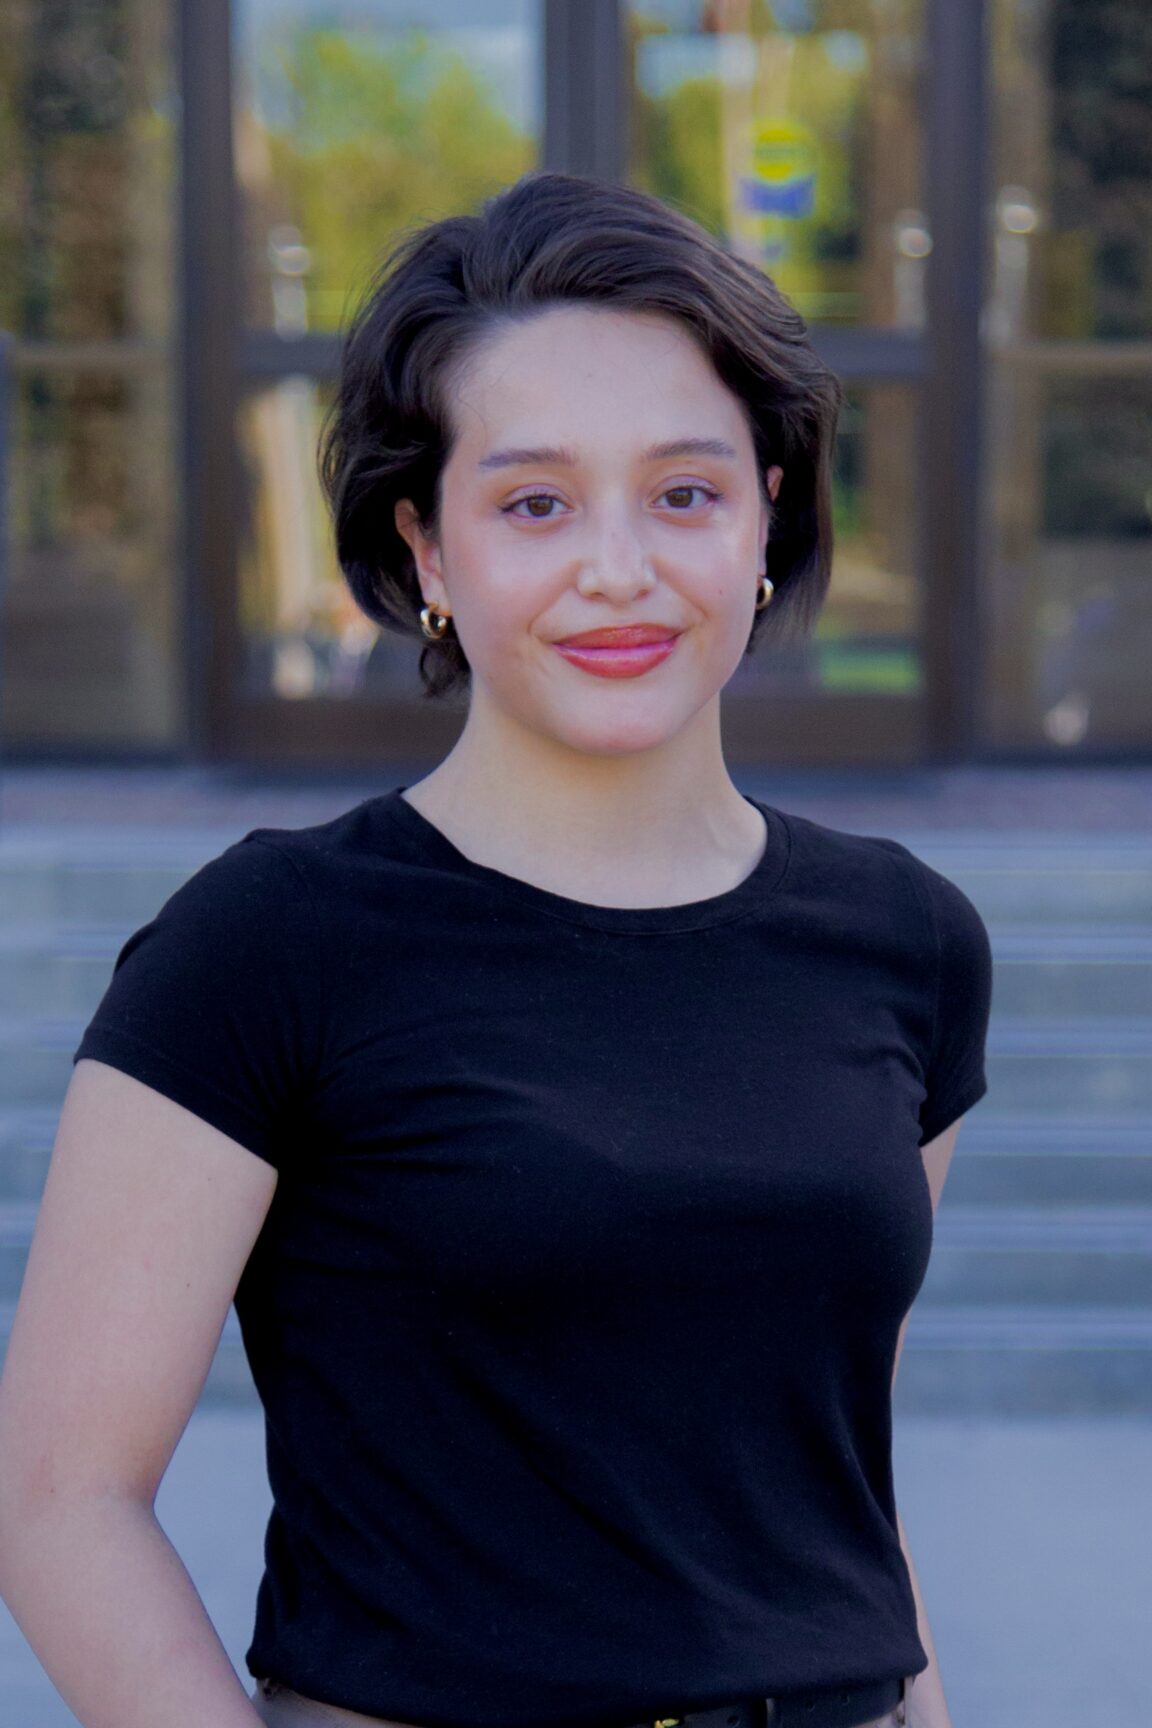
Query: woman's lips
(617, 661)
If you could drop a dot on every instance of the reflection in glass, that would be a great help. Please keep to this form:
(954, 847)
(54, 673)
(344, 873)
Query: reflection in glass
(88, 169)
(792, 131)
(1068, 324)
(89, 627)
(866, 638)
(1073, 159)
(353, 121)
(1070, 476)
(302, 633)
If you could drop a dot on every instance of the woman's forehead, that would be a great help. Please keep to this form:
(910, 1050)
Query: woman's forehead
(530, 391)
(572, 330)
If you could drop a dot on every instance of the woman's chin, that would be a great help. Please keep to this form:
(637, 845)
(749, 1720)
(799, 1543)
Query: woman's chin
(622, 734)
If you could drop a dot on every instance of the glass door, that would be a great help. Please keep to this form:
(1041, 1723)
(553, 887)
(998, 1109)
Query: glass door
(794, 131)
(349, 123)
(90, 607)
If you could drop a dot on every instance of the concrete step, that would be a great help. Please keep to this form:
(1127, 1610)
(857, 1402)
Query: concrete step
(1077, 1066)
(104, 876)
(1033, 1255)
(1050, 878)
(1079, 972)
(1003, 1159)
(1025, 1360)
(27, 1135)
(51, 971)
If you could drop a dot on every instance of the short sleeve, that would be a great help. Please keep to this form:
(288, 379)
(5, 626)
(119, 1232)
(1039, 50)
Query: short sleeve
(955, 1076)
(218, 1001)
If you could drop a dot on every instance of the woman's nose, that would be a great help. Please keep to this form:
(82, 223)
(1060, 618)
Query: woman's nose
(617, 565)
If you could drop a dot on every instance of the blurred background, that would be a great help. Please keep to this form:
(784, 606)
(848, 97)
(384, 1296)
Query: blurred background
(957, 194)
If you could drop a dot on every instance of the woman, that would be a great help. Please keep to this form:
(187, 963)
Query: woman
(567, 1125)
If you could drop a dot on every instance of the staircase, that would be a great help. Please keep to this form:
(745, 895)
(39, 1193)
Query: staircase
(66, 906)
(1038, 1298)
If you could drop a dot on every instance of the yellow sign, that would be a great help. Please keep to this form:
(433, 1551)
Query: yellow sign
(783, 177)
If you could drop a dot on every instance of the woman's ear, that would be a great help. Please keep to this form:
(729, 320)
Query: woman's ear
(772, 476)
(425, 552)
(408, 526)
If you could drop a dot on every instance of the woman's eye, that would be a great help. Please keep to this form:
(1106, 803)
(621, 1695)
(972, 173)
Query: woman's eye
(531, 498)
(682, 493)
(708, 491)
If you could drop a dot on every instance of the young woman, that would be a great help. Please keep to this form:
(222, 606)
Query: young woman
(567, 1125)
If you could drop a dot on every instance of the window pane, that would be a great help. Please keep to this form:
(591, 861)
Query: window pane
(88, 147)
(88, 202)
(1073, 154)
(1069, 400)
(867, 637)
(1070, 475)
(302, 633)
(791, 130)
(90, 650)
(353, 122)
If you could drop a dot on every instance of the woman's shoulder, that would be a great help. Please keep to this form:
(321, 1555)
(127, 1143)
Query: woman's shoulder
(880, 872)
(317, 856)
(824, 852)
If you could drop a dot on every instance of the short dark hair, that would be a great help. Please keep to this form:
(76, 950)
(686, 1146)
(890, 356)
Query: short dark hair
(548, 239)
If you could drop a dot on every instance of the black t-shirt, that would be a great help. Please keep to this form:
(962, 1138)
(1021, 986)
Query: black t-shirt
(574, 1314)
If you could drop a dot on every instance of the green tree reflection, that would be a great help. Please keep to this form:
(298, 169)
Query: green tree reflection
(377, 135)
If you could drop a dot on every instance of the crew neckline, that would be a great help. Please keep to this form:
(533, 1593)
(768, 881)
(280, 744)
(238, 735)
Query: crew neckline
(765, 878)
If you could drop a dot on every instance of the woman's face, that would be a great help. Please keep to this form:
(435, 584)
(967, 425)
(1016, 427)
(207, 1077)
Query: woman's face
(571, 502)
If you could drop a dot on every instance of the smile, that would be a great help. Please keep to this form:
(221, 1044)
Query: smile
(617, 662)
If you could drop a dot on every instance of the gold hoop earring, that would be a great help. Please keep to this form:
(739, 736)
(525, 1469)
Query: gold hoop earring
(766, 591)
(433, 631)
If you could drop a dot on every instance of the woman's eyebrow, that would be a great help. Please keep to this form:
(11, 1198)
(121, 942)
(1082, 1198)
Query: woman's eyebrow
(562, 457)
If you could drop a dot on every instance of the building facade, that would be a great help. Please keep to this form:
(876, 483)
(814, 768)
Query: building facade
(957, 194)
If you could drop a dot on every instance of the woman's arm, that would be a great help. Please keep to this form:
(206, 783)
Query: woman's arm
(146, 1222)
(926, 1703)
(106, 1604)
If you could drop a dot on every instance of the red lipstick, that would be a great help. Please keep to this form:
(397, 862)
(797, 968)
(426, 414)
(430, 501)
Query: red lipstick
(619, 651)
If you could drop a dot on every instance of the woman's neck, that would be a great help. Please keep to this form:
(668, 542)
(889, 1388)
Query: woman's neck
(652, 828)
